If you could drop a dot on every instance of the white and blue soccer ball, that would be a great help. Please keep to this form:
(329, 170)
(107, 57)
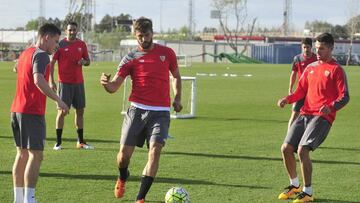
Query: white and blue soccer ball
(177, 195)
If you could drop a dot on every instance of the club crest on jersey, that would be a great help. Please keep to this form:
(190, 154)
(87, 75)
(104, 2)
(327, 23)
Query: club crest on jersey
(79, 49)
(162, 58)
(327, 73)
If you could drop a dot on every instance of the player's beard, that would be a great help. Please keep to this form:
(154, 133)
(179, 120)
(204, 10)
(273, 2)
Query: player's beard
(146, 45)
(72, 37)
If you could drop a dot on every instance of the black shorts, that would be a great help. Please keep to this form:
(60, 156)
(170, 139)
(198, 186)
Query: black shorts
(297, 105)
(308, 130)
(140, 125)
(72, 95)
(29, 131)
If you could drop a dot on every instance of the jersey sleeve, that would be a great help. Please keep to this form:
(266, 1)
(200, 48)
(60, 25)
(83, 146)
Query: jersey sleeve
(342, 88)
(124, 66)
(40, 61)
(301, 89)
(85, 54)
(294, 64)
(173, 60)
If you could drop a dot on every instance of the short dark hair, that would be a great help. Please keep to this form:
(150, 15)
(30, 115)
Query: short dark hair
(307, 41)
(326, 38)
(143, 24)
(50, 29)
(73, 23)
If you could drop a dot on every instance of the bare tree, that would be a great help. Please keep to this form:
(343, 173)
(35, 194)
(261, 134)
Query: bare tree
(238, 9)
(353, 24)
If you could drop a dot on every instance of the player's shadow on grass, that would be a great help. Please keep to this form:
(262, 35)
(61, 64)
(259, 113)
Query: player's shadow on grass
(334, 200)
(137, 179)
(239, 119)
(222, 156)
(128, 200)
(53, 139)
(341, 148)
(87, 140)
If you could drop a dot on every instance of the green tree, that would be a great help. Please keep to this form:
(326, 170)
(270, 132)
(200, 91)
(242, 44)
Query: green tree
(109, 40)
(124, 22)
(319, 26)
(32, 25)
(35, 23)
(354, 24)
(79, 18)
(55, 21)
(105, 25)
(339, 31)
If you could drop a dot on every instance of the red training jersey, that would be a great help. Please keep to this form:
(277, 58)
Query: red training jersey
(301, 61)
(28, 98)
(322, 84)
(149, 72)
(68, 56)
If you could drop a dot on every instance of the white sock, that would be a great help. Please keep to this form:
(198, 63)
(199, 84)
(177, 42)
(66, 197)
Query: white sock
(29, 195)
(295, 182)
(308, 190)
(18, 194)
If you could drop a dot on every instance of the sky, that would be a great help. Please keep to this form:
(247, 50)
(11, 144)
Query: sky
(170, 14)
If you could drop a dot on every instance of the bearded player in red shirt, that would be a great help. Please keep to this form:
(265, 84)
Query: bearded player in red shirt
(300, 62)
(28, 112)
(71, 56)
(148, 117)
(324, 87)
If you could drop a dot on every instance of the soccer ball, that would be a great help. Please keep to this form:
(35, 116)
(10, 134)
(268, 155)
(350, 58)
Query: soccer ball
(177, 195)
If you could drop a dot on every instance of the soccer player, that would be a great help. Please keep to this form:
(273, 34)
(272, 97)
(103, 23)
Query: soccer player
(71, 56)
(324, 87)
(148, 117)
(300, 62)
(28, 110)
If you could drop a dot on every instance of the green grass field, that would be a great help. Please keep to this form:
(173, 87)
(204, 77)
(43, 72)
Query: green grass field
(229, 153)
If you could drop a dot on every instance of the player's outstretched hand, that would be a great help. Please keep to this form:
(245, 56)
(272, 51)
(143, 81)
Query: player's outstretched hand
(282, 102)
(62, 106)
(177, 106)
(105, 78)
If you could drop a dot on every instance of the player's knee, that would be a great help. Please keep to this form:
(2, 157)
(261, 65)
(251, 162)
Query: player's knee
(80, 112)
(155, 151)
(287, 149)
(61, 114)
(23, 154)
(37, 155)
(303, 153)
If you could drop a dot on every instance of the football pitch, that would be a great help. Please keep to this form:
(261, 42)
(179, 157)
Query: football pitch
(229, 153)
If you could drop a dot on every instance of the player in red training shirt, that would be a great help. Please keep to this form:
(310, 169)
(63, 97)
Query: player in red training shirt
(28, 110)
(148, 117)
(300, 62)
(324, 87)
(71, 56)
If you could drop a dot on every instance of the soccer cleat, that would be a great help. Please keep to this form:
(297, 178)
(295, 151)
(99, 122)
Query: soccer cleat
(57, 147)
(119, 188)
(83, 146)
(303, 197)
(140, 201)
(289, 192)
